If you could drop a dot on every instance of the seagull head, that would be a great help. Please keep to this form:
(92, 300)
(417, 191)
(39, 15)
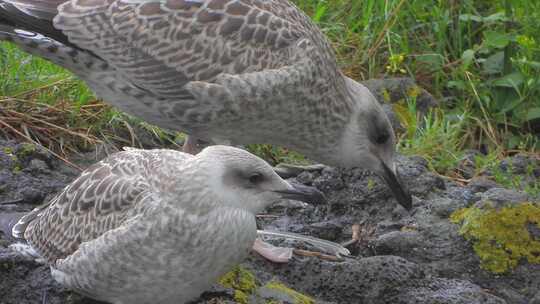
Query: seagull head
(243, 180)
(368, 141)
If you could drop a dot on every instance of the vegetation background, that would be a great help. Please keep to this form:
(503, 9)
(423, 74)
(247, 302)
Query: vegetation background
(481, 59)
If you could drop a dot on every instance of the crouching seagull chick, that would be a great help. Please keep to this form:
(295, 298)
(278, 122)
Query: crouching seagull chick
(155, 226)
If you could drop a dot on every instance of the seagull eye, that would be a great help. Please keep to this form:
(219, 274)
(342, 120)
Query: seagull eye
(382, 138)
(255, 178)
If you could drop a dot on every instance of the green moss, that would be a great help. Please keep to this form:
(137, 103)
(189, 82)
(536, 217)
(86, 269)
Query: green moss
(370, 184)
(16, 164)
(414, 91)
(26, 149)
(245, 287)
(500, 236)
(14, 158)
(16, 169)
(295, 295)
(386, 95)
(242, 281)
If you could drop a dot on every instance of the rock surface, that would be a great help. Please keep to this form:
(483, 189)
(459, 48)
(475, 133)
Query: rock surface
(401, 257)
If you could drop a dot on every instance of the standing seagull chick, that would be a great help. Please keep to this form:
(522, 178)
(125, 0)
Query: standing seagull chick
(155, 226)
(239, 71)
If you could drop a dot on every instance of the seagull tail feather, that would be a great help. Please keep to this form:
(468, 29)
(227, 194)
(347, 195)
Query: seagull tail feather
(8, 220)
(30, 16)
(29, 25)
(18, 229)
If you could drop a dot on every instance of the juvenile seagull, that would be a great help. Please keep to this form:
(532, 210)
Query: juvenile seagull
(238, 71)
(155, 226)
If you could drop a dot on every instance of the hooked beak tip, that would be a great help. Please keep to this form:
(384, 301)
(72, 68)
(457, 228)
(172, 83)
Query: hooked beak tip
(395, 184)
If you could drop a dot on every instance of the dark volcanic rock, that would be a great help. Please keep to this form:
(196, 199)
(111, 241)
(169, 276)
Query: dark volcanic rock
(424, 237)
(377, 279)
(28, 175)
(401, 257)
(24, 281)
(396, 89)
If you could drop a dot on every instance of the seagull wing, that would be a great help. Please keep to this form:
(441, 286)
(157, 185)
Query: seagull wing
(207, 64)
(162, 45)
(102, 198)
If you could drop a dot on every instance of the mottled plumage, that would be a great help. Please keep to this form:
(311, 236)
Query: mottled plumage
(209, 68)
(238, 71)
(156, 226)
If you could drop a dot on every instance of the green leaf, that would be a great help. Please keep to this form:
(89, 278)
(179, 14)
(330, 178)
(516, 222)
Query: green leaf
(469, 17)
(509, 81)
(494, 63)
(533, 64)
(511, 104)
(321, 10)
(435, 61)
(497, 17)
(467, 57)
(533, 113)
(456, 84)
(496, 39)
(513, 141)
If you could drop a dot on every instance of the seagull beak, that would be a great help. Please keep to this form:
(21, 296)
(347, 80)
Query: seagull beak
(393, 181)
(299, 192)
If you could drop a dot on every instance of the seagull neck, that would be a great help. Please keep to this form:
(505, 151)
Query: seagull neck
(316, 132)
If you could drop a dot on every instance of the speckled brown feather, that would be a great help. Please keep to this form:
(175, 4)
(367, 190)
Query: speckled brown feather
(225, 71)
(153, 226)
(99, 200)
(212, 68)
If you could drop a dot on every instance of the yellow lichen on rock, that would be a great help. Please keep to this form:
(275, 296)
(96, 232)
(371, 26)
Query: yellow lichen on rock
(242, 281)
(247, 289)
(500, 236)
(414, 91)
(297, 297)
(386, 95)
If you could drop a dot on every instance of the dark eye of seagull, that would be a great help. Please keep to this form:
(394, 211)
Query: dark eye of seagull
(382, 138)
(256, 178)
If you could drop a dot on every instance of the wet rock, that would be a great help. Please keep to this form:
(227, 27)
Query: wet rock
(425, 258)
(499, 197)
(459, 193)
(329, 180)
(276, 292)
(443, 207)
(37, 166)
(535, 299)
(365, 280)
(386, 225)
(481, 184)
(416, 176)
(27, 282)
(328, 230)
(444, 291)
(377, 279)
(393, 90)
(512, 296)
(518, 163)
(467, 164)
(28, 175)
(32, 196)
(397, 242)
